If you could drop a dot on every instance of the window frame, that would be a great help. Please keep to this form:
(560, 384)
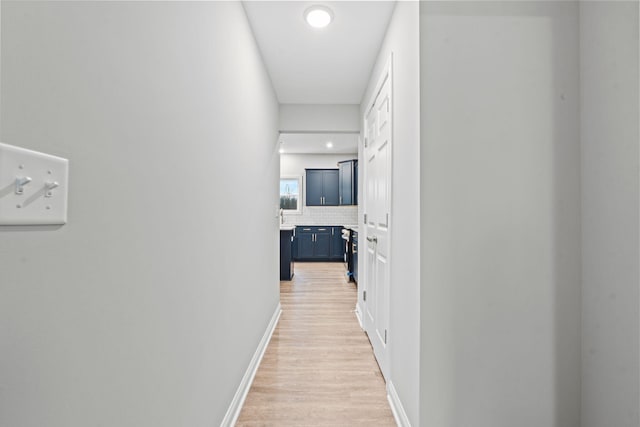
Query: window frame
(297, 211)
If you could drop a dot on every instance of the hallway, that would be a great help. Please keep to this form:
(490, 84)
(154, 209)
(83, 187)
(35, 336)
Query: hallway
(319, 367)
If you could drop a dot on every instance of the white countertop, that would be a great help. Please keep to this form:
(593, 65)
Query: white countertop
(285, 227)
(351, 227)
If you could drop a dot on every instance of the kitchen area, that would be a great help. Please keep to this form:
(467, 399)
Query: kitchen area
(319, 202)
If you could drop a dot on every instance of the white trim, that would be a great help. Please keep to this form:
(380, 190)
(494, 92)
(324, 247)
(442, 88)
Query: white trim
(358, 313)
(396, 406)
(233, 412)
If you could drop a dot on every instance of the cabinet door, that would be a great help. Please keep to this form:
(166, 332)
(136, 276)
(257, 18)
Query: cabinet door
(285, 255)
(337, 243)
(294, 246)
(322, 244)
(314, 187)
(305, 244)
(330, 187)
(354, 246)
(346, 183)
(355, 182)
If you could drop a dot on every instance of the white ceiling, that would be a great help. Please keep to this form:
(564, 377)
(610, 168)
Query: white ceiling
(316, 143)
(319, 66)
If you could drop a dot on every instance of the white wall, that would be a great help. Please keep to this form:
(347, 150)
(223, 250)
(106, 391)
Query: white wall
(500, 194)
(609, 128)
(402, 39)
(295, 165)
(316, 117)
(146, 308)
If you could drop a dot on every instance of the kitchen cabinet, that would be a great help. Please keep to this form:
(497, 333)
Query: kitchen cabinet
(286, 255)
(322, 187)
(337, 243)
(306, 242)
(319, 243)
(354, 249)
(348, 182)
(323, 243)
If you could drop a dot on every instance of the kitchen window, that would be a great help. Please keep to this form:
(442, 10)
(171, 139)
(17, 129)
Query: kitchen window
(291, 194)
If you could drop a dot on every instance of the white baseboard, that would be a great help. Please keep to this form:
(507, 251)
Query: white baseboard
(233, 412)
(396, 406)
(359, 315)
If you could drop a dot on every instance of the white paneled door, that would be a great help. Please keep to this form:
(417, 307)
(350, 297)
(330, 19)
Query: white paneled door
(377, 189)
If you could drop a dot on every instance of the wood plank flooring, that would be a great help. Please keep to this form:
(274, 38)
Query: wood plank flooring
(319, 368)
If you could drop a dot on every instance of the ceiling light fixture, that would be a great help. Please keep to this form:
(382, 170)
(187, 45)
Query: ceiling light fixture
(318, 16)
(281, 150)
(329, 144)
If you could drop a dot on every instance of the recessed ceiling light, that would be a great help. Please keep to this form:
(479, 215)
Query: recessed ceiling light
(318, 16)
(329, 144)
(281, 150)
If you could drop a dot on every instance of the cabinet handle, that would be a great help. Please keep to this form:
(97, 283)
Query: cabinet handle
(322, 229)
(306, 229)
(372, 239)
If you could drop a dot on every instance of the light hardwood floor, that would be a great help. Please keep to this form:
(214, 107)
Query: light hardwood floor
(319, 368)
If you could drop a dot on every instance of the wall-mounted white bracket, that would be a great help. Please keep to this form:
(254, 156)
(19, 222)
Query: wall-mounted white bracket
(33, 187)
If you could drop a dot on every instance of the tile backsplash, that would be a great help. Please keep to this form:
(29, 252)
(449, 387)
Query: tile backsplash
(324, 215)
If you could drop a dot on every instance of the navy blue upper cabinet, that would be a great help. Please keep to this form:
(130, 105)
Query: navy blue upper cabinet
(348, 184)
(331, 191)
(314, 187)
(322, 187)
(355, 182)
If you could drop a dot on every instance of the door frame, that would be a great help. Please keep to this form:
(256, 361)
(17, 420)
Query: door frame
(386, 73)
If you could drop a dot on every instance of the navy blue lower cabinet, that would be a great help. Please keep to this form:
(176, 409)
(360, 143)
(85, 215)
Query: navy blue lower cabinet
(337, 244)
(306, 240)
(319, 243)
(286, 256)
(294, 246)
(322, 245)
(354, 248)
